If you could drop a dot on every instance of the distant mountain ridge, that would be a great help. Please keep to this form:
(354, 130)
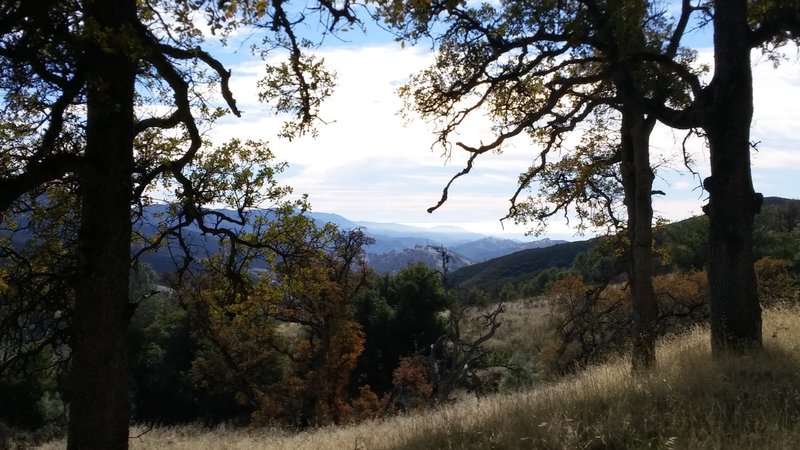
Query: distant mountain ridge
(393, 261)
(396, 245)
(525, 264)
(491, 247)
(397, 237)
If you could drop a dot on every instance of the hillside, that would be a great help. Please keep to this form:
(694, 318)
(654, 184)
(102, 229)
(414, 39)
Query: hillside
(519, 265)
(492, 247)
(776, 234)
(689, 401)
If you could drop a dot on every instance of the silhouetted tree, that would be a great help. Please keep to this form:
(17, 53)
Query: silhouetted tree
(545, 69)
(70, 71)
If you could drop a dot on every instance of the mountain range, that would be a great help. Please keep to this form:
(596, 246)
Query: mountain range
(477, 260)
(395, 246)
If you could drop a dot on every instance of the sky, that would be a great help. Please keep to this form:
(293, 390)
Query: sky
(369, 163)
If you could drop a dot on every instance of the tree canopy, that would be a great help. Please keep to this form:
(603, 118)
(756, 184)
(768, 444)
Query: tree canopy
(104, 103)
(547, 69)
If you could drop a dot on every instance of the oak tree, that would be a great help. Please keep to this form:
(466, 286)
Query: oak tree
(724, 110)
(72, 110)
(547, 69)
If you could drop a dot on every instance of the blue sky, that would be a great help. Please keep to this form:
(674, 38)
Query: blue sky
(370, 164)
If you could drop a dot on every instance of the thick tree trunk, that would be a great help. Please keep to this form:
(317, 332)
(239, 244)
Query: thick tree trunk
(625, 36)
(735, 309)
(637, 180)
(98, 395)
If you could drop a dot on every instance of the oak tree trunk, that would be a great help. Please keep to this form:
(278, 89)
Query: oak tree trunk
(637, 180)
(624, 25)
(735, 309)
(98, 391)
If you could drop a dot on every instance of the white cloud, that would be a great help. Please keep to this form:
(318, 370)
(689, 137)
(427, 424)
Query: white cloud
(367, 164)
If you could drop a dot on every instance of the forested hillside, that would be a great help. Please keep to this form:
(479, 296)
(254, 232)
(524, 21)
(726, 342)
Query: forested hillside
(683, 246)
(494, 273)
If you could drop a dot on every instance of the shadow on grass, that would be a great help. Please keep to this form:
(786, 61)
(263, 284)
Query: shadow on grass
(691, 401)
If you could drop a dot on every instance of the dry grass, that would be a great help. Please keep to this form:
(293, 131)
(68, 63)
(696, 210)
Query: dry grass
(691, 401)
(526, 326)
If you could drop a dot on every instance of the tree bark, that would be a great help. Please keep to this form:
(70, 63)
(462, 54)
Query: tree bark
(735, 309)
(637, 180)
(98, 391)
(626, 22)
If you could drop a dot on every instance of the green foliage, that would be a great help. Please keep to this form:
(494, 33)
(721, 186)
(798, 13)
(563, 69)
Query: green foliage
(401, 316)
(542, 281)
(776, 234)
(599, 263)
(777, 231)
(35, 306)
(418, 298)
(526, 371)
(164, 347)
(685, 244)
(777, 282)
(161, 351)
(24, 396)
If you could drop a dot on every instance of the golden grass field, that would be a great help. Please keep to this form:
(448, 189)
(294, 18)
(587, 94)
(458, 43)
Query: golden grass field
(689, 402)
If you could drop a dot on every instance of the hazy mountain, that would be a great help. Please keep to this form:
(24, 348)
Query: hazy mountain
(393, 237)
(322, 218)
(492, 247)
(398, 237)
(393, 261)
(396, 245)
(445, 235)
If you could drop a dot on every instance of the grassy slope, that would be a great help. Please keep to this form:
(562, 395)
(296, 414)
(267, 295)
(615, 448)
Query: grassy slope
(748, 402)
(519, 265)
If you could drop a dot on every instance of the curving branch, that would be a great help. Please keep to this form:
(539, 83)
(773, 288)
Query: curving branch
(446, 189)
(37, 173)
(224, 74)
(283, 22)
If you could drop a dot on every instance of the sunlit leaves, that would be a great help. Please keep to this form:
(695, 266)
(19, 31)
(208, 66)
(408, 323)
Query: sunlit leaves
(295, 315)
(583, 184)
(297, 88)
(540, 70)
(237, 174)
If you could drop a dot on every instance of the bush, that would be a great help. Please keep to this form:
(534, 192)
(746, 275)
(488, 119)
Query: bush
(777, 284)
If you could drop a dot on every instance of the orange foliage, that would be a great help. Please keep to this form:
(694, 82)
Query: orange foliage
(776, 282)
(368, 405)
(411, 382)
(297, 372)
(592, 322)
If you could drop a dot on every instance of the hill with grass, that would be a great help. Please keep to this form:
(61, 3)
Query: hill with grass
(690, 401)
(519, 265)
